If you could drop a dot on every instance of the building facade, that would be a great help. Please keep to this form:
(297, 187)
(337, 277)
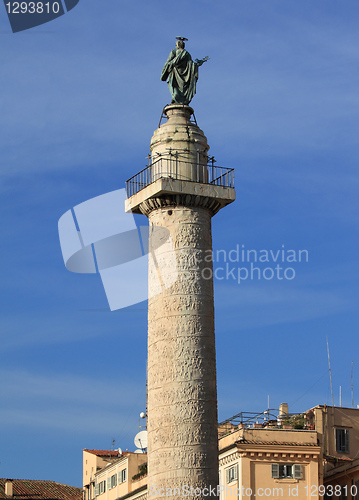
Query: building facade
(338, 435)
(268, 462)
(109, 475)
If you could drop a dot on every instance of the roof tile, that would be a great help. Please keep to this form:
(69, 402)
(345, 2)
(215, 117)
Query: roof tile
(104, 453)
(281, 443)
(30, 489)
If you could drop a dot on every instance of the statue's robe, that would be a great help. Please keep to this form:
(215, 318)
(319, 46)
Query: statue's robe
(182, 74)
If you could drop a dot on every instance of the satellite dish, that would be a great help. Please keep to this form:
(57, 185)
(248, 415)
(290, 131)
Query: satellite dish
(141, 440)
(119, 451)
(139, 451)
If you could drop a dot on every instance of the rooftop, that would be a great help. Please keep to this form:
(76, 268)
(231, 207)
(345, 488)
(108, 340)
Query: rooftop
(28, 489)
(105, 453)
(275, 443)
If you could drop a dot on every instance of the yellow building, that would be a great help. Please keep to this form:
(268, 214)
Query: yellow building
(338, 436)
(94, 461)
(108, 475)
(267, 462)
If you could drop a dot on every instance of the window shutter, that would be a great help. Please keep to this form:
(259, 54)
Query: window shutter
(96, 490)
(122, 476)
(342, 440)
(337, 439)
(297, 471)
(346, 440)
(275, 471)
(227, 475)
(108, 483)
(235, 472)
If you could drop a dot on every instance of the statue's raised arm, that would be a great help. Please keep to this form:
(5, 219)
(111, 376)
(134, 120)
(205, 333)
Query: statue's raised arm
(181, 73)
(199, 62)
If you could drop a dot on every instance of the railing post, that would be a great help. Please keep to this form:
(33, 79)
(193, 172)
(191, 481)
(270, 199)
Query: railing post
(197, 167)
(176, 165)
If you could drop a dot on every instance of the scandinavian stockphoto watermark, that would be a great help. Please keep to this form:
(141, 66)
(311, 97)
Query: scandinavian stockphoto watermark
(97, 236)
(265, 264)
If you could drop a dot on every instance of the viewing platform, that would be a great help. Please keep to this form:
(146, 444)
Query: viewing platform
(182, 173)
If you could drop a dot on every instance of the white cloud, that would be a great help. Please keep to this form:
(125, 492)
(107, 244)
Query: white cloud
(67, 402)
(265, 303)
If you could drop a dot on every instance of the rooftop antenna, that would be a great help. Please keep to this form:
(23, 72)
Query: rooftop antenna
(352, 388)
(340, 396)
(141, 440)
(330, 373)
(141, 426)
(266, 413)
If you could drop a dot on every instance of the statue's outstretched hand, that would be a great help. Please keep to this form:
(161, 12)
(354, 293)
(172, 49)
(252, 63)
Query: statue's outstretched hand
(199, 62)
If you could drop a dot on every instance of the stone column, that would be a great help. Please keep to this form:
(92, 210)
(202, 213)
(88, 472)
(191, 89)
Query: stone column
(182, 395)
(179, 196)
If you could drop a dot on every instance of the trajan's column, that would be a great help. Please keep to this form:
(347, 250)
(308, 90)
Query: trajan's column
(179, 192)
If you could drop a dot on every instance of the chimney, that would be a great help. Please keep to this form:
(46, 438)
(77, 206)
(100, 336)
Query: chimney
(283, 413)
(9, 492)
(283, 409)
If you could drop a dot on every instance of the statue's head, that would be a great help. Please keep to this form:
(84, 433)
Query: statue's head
(180, 42)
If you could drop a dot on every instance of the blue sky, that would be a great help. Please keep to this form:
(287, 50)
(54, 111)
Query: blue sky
(81, 97)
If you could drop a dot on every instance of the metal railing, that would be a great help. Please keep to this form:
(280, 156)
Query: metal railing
(248, 418)
(179, 167)
(267, 418)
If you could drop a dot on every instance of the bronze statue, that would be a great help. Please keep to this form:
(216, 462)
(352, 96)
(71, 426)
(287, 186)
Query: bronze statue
(182, 73)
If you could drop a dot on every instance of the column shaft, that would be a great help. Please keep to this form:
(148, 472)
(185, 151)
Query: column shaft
(182, 393)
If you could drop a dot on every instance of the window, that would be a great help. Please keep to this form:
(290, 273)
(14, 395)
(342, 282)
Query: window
(297, 471)
(342, 440)
(338, 491)
(355, 493)
(232, 474)
(343, 495)
(100, 488)
(280, 471)
(111, 481)
(122, 476)
(220, 484)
